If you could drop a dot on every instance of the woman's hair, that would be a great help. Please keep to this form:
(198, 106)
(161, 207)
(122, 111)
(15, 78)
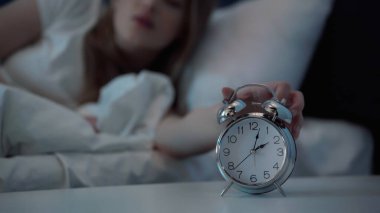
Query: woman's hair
(104, 60)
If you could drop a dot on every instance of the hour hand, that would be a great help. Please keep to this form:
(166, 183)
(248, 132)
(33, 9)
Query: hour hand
(261, 146)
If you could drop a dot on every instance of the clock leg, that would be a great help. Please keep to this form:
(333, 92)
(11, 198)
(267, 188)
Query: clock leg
(226, 189)
(280, 189)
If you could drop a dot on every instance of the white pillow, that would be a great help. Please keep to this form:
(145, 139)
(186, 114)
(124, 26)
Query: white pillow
(250, 42)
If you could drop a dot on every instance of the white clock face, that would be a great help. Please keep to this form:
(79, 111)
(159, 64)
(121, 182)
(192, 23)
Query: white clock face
(252, 151)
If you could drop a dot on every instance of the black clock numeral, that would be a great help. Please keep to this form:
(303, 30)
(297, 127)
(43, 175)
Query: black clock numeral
(253, 125)
(240, 172)
(276, 166)
(267, 130)
(280, 152)
(276, 140)
(231, 166)
(240, 130)
(266, 175)
(232, 139)
(226, 151)
(253, 178)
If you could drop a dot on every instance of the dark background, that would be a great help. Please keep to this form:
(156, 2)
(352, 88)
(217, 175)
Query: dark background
(344, 74)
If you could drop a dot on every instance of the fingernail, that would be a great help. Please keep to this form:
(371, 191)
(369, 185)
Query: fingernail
(283, 101)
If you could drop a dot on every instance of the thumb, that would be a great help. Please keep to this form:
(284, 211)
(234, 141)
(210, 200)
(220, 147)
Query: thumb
(227, 92)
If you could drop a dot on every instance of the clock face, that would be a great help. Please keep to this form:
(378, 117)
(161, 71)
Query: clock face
(252, 151)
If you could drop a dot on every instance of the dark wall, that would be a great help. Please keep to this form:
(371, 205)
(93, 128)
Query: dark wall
(3, 2)
(223, 3)
(344, 76)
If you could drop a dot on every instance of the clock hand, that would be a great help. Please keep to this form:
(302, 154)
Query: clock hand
(260, 147)
(252, 150)
(244, 159)
(257, 137)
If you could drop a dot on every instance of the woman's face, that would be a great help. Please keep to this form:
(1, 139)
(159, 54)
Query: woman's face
(147, 24)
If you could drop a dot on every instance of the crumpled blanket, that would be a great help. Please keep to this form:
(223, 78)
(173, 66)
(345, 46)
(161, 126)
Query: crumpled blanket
(45, 145)
(128, 111)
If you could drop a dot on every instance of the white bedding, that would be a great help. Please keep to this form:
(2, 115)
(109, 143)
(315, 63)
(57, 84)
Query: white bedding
(44, 145)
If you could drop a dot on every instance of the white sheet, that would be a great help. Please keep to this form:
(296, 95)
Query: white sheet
(52, 147)
(69, 170)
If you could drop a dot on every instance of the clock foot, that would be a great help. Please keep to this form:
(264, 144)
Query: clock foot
(226, 189)
(280, 189)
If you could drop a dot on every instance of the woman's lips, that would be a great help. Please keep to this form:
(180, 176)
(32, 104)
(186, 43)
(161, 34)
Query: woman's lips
(144, 22)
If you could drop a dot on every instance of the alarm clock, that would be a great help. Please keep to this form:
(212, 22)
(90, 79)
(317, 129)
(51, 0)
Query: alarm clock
(256, 152)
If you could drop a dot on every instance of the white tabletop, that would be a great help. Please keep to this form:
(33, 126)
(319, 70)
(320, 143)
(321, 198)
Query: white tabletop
(326, 194)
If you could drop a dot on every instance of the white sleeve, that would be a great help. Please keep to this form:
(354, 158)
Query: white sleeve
(53, 12)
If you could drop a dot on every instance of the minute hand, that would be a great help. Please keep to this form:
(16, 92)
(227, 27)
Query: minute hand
(257, 137)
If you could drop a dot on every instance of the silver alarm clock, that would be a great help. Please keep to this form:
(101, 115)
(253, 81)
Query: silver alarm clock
(256, 152)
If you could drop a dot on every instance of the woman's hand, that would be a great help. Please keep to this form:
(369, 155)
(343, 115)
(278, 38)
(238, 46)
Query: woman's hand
(197, 132)
(92, 121)
(292, 99)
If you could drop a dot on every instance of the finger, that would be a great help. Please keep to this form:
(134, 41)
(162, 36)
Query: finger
(297, 126)
(281, 90)
(296, 106)
(227, 92)
(296, 102)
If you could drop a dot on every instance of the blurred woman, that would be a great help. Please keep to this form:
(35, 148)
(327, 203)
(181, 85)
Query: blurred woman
(67, 50)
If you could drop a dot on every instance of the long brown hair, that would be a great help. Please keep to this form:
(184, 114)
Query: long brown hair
(104, 60)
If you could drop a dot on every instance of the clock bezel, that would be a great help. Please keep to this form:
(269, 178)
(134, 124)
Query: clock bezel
(285, 171)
